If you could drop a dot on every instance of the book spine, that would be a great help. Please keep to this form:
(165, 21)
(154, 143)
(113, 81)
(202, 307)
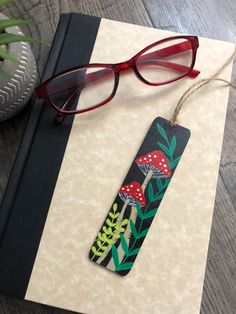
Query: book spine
(35, 113)
(33, 179)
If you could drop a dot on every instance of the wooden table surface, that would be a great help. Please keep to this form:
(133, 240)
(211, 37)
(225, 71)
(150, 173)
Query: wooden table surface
(207, 18)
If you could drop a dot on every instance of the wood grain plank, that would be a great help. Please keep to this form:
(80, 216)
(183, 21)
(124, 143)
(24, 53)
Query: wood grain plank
(213, 19)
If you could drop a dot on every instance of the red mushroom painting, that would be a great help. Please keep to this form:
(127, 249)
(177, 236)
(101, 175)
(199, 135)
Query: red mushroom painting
(153, 165)
(131, 194)
(128, 221)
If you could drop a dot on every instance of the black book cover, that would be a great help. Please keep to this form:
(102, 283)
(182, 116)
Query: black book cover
(27, 198)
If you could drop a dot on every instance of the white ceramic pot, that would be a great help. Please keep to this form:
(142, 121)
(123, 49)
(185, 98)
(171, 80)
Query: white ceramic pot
(16, 89)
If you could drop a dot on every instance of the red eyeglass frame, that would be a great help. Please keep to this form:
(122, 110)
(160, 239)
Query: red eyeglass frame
(41, 90)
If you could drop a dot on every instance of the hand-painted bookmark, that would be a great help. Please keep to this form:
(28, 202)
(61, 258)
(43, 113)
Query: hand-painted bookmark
(128, 221)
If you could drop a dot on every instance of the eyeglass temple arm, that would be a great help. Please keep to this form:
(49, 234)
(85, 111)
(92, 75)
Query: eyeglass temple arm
(173, 50)
(165, 52)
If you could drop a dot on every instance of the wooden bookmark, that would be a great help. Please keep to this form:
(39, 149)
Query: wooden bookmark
(121, 236)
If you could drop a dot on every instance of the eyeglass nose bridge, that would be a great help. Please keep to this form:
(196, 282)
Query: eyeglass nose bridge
(122, 66)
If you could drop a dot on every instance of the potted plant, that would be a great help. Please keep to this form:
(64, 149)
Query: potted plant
(18, 70)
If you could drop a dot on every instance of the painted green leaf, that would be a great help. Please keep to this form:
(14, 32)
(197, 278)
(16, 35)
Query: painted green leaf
(164, 148)
(162, 132)
(175, 162)
(96, 252)
(115, 256)
(106, 239)
(100, 237)
(150, 191)
(143, 233)
(133, 228)
(111, 215)
(110, 223)
(101, 246)
(139, 210)
(107, 230)
(119, 228)
(150, 214)
(124, 222)
(173, 145)
(159, 184)
(167, 181)
(134, 252)
(158, 197)
(124, 244)
(125, 266)
(116, 235)
(115, 206)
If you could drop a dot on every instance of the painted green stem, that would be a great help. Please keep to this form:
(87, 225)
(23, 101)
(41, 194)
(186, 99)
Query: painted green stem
(99, 249)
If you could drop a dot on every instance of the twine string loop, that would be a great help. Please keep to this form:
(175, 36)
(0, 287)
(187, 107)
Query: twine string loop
(196, 86)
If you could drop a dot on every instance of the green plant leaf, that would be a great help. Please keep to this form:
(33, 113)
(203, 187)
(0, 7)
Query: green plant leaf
(115, 256)
(150, 214)
(134, 252)
(96, 252)
(159, 184)
(167, 181)
(172, 145)
(7, 56)
(124, 222)
(133, 228)
(110, 223)
(100, 237)
(108, 230)
(150, 191)
(164, 148)
(4, 73)
(116, 235)
(106, 239)
(14, 22)
(115, 206)
(125, 266)
(124, 244)
(175, 162)
(119, 228)
(3, 2)
(143, 233)
(162, 132)
(6, 38)
(111, 215)
(139, 210)
(101, 246)
(158, 197)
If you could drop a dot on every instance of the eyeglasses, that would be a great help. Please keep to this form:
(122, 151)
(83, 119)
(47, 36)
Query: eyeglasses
(94, 85)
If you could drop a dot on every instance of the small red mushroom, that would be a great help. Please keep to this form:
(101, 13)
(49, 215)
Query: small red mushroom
(153, 164)
(131, 194)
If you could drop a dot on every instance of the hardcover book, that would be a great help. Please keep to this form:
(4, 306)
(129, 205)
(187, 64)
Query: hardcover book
(66, 177)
